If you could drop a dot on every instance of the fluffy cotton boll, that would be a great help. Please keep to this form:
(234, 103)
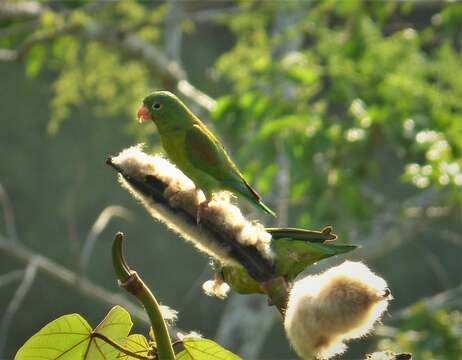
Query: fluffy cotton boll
(223, 233)
(168, 314)
(190, 335)
(325, 310)
(216, 287)
(231, 220)
(255, 234)
(179, 192)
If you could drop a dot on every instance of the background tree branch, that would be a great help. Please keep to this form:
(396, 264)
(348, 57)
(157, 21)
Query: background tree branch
(71, 279)
(127, 42)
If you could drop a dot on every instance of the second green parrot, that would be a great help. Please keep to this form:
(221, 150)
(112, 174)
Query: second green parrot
(195, 149)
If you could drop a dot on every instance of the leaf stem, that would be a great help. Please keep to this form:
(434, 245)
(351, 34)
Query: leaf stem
(132, 282)
(119, 347)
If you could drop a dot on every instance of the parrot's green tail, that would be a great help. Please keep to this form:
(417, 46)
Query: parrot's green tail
(258, 203)
(264, 207)
(243, 187)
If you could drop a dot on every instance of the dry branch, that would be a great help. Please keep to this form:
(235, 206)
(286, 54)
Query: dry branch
(17, 300)
(71, 279)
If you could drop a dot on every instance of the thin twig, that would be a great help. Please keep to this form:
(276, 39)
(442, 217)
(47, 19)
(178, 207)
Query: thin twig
(8, 213)
(72, 279)
(17, 29)
(435, 264)
(97, 228)
(213, 14)
(119, 347)
(10, 277)
(391, 231)
(241, 322)
(448, 298)
(283, 183)
(17, 300)
(8, 55)
(173, 35)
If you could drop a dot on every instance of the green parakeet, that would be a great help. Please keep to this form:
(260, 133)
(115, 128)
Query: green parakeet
(294, 250)
(195, 149)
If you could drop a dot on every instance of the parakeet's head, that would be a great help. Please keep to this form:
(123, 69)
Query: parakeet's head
(161, 106)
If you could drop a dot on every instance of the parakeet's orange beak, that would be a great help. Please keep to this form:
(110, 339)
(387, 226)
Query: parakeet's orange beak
(143, 114)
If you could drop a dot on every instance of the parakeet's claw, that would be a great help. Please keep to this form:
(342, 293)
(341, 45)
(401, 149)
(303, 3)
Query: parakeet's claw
(203, 205)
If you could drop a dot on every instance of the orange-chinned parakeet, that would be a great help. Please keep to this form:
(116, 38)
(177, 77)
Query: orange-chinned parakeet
(195, 149)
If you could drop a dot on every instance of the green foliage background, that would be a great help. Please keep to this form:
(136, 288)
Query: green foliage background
(357, 103)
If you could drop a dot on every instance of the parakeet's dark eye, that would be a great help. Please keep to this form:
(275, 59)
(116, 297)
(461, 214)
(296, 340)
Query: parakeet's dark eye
(156, 106)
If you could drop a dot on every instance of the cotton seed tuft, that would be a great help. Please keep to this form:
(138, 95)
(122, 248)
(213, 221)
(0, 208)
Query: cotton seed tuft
(179, 192)
(190, 335)
(216, 287)
(327, 309)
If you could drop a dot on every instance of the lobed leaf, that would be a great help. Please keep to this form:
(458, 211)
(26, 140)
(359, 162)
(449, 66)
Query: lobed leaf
(137, 344)
(204, 349)
(116, 326)
(295, 250)
(67, 337)
(70, 338)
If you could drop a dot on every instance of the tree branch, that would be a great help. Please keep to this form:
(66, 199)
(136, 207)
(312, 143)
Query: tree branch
(71, 279)
(17, 300)
(390, 231)
(127, 42)
(448, 298)
(10, 10)
(98, 226)
(11, 277)
(8, 212)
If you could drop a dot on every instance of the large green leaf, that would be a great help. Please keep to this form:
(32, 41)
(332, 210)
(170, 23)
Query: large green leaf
(204, 349)
(295, 250)
(116, 326)
(137, 344)
(67, 337)
(70, 338)
(282, 124)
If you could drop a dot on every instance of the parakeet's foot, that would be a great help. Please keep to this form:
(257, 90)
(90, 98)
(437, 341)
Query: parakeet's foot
(203, 205)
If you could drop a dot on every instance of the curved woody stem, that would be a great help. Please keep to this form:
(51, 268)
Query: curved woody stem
(131, 281)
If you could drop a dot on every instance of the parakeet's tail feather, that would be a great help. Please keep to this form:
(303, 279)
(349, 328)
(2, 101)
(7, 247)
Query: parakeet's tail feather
(245, 189)
(266, 208)
(252, 190)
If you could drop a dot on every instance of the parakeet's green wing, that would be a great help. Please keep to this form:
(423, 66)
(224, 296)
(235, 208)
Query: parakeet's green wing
(208, 154)
(210, 157)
